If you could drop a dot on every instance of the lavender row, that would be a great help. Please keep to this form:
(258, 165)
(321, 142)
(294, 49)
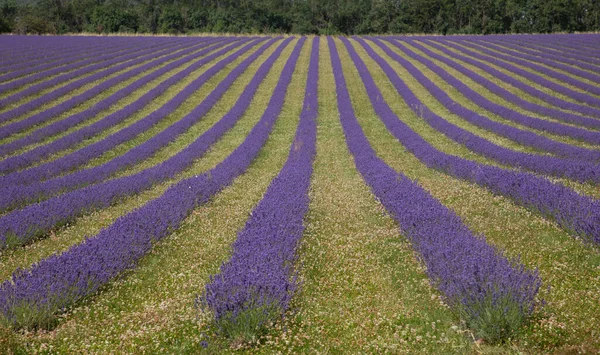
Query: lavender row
(576, 43)
(47, 59)
(46, 47)
(574, 212)
(75, 119)
(260, 274)
(19, 48)
(83, 155)
(147, 52)
(549, 60)
(13, 58)
(544, 53)
(540, 53)
(30, 157)
(541, 48)
(35, 220)
(547, 111)
(84, 66)
(551, 99)
(68, 63)
(56, 282)
(475, 279)
(47, 51)
(588, 43)
(592, 137)
(580, 41)
(493, 57)
(521, 136)
(100, 70)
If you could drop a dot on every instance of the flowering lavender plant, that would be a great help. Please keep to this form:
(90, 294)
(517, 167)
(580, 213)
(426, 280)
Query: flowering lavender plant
(494, 58)
(254, 288)
(524, 57)
(575, 169)
(83, 155)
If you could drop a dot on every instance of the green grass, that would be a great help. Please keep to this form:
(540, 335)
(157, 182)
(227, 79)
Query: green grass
(363, 290)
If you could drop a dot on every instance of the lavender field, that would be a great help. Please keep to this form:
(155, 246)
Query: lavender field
(372, 194)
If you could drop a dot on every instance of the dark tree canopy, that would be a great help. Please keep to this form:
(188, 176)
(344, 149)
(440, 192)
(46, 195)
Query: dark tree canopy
(300, 16)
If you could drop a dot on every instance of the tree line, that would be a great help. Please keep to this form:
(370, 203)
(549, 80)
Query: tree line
(322, 17)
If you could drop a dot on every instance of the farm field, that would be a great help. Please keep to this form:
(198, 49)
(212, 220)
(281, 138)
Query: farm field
(371, 194)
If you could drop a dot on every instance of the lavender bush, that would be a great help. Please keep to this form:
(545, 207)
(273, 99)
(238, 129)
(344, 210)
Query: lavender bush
(553, 50)
(578, 119)
(107, 67)
(119, 51)
(254, 288)
(548, 60)
(21, 226)
(17, 195)
(581, 171)
(70, 61)
(19, 51)
(21, 125)
(493, 57)
(47, 58)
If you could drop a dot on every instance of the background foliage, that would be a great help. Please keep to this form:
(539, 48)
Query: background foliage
(299, 16)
